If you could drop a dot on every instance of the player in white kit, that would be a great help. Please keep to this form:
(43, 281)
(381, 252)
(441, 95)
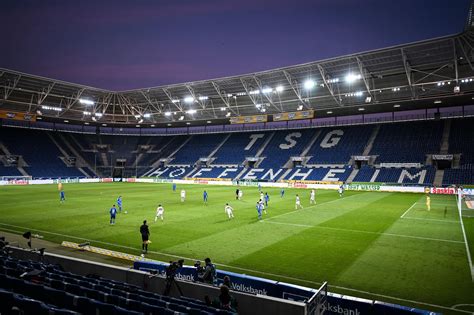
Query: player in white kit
(298, 203)
(312, 197)
(229, 211)
(183, 195)
(241, 194)
(159, 213)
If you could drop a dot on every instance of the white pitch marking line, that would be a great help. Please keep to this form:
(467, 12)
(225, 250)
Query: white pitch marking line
(367, 232)
(435, 220)
(404, 213)
(254, 271)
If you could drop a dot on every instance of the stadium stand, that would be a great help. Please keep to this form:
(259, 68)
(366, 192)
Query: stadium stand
(337, 145)
(283, 145)
(28, 287)
(408, 142)
(42, 156)
(238, 147)
(400, 144)
(198, 146)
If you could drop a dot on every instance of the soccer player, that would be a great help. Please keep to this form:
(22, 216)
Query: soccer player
(341, 190)
(159, 213)
(145, 232)
(204, 196)
(282, 193)
(259, 187)
(174, 187)
(241, 194)
(237, 194)
(428, 203)
(113, 213)
(119, 203)
(298, 203)
(183, 195)
(262, 196)
(262, 204)
(60, 186)
(62, 196)
(267, 199)
(229, 211)
(312, 197)
(259, 210)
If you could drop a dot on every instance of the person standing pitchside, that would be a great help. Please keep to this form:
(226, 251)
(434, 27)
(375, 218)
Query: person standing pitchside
(145, 232)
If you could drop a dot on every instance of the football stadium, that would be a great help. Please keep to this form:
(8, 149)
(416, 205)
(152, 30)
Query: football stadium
(338, 186)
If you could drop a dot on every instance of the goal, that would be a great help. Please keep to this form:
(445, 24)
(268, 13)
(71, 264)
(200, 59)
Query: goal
(465, 202)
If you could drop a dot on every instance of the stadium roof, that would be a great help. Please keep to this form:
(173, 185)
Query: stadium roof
(416, 75)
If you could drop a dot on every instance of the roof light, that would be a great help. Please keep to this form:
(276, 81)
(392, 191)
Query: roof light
(53, 108)
(254, 92)
(167, 113)
(227, 115)
(229, 95)
(86, 123)
(191, 111)
(438, 102)
(309, 84)
(280, 88)
(300, 107)
(137, 116)
(188, 123)
(209, 121)
(222, 109)
(140, 121)
(66, 121)
(241, 94)
(351, 77)
(396, 89)
(98, 114)
(361, 109)
(86, 113)
(138, 126)
(147, 115)
(152, 125)
(203, 98)
(105, 125)
(169, 125)
(175, 101)
(267, 90)
(329, 112)
(181, 117)
(189, 99)
(86, 101)
(396, 105)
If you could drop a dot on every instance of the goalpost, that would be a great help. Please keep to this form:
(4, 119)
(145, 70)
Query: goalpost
(465, 203)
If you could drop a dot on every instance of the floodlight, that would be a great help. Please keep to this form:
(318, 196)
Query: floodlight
(280, 88)
(87, 113)
(191, 111)
(175, 101)
(147, 115)
(86, 101)
(203, 98)
(227, 115)
(351, 77)
(361, 109)
(99, 114)
(309, 84)
(222, 109)
(181, 117)
(189, 99)
(137, 116)
(267, 90)
(329, 112)
(167, 113)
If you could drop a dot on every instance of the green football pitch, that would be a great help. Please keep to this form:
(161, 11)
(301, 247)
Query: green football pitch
(379, 245)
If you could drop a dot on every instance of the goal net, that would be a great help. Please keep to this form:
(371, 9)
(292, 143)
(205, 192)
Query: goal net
(465, 202)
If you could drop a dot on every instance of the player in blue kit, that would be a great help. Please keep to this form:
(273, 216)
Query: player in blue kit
(62, 196)
(174, 186)
(267, 199)
(204, 196)
(119, 203)
(113, 213)
(282, 192)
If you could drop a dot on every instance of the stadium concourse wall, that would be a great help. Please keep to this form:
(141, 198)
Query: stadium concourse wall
(224, 182)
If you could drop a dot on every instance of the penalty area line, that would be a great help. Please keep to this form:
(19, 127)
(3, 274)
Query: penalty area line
(250, 270)
(408, 210)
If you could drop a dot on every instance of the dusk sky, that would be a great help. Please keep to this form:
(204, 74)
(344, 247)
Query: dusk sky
(121, 45)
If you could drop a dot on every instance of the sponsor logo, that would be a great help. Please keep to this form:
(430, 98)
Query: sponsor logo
(17, 182)
(248, 289)
(182, 277)
(337, 309)
(200, 181)
(107, 180)
(363, 187)
(443, 191)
